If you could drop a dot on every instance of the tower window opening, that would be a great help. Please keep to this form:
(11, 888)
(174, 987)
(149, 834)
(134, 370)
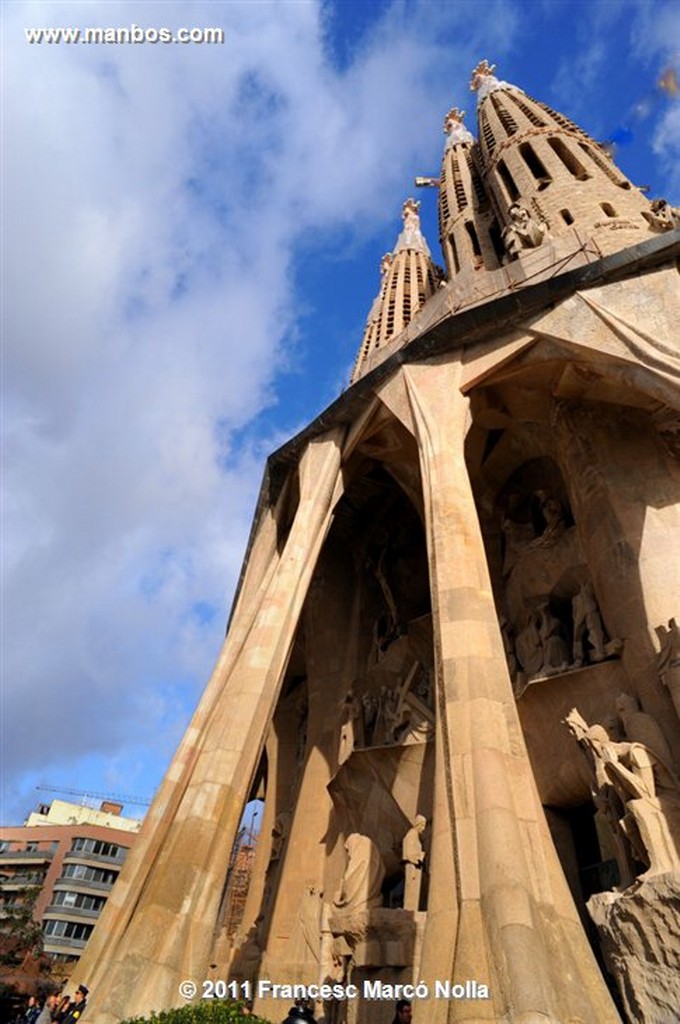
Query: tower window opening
(563, 121)
(609, 209)
(535, 165)
(566, 217)
(605, 166)
(530, 114)
(475, 178)
(461, 198)
(487, 132)
(508, 181)
(496, 241)
(470, 228)
(504, 115)
(569, 159)
(453, 251)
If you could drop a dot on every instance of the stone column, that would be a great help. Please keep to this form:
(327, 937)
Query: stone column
(511, 923)
(168, 908)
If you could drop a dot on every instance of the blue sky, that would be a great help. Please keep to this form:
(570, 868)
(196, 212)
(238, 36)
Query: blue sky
(191, 244)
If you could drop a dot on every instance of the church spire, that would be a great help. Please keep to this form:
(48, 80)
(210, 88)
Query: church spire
(408, 279)
(544, 171)
(466, 222)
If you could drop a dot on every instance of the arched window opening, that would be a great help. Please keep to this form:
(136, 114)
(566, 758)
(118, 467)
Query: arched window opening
(569, 159)
(508, 181)
(609, 209)
(504, 115)
(566, 217)
(474, 240)
(535, 165)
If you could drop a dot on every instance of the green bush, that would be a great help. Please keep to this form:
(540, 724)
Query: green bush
(208, 1011)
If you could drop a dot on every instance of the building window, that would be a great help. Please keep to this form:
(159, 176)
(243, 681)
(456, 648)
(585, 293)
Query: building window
(609, 209)
(569, 159)
(98, 847)
(89, 874)
(535, 165)
(474, 240)
(566, 217)
(508, 181)
(68, 930)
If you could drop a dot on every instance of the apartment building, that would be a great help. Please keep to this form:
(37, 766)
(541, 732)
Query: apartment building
(74, 854)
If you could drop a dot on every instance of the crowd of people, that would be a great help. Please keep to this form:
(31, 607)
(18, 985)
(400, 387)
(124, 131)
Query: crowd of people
(55, 1009)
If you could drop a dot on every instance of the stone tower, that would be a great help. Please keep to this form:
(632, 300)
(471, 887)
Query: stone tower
(452, 671)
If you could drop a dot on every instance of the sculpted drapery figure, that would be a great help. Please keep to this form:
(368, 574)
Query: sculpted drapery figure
(625, 785)
(361, 887)
(413, 858)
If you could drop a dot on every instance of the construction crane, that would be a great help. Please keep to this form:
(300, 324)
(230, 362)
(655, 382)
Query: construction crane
(123, 798)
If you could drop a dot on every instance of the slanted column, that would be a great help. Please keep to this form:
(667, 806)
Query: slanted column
(511, 923)
(164, 933)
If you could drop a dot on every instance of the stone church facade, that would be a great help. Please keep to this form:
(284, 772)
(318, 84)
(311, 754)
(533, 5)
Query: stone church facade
(452, 670)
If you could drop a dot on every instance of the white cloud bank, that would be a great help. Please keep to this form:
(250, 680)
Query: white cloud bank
(153, 201)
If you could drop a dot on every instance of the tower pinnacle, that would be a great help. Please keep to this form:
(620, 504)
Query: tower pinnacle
(454, 129)
(483, 81)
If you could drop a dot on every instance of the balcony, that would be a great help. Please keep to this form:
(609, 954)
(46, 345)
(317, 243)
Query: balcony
(19, 881)
(21, 856)
(85, 857)
(60, 944)
(82, 885)
(65, 913)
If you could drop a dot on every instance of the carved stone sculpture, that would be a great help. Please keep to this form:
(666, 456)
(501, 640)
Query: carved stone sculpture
(363, 878)
(522, 231)
(554, 648)
(668, 659)
(554, 518)
(595, 742)
(279, 833)
(413, 857)
(587, 627)
(640, 727)
(528, 646)
(352, 728)
(662, 216)
(650, 818)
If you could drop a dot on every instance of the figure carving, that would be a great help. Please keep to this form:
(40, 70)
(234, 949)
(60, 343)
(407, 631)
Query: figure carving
(364, 875)
(650, 817)
(662, 216)
(413, 859)
(517, 537)
(370, 708)
(554, 518)
(454, 129)
(554, 648)
(279, 832)
(668, 660)
(640, 727)
(587, 627)
(522, 231)
(528, 646)
(352, 729)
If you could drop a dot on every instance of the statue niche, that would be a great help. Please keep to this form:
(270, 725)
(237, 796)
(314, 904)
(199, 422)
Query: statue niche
(549, 615)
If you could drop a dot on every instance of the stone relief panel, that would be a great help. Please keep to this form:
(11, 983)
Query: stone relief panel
(549, 615)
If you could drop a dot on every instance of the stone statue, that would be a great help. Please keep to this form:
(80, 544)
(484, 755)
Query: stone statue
(385, 263)
(517, 537)
(413, 859)
(279, 833)
(640, 727)
(587, 626)
(595, 744)
(361, 887)
(370, 708)
(554, 648)
(668, 660)
(554, 518)
(522, 231)
(662, 216)
(247, 960)
(650, 818)
(454, 129)
(528, 646)
(352, 728)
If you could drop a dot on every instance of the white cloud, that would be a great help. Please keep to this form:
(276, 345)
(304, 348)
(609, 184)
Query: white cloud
(153, 201)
